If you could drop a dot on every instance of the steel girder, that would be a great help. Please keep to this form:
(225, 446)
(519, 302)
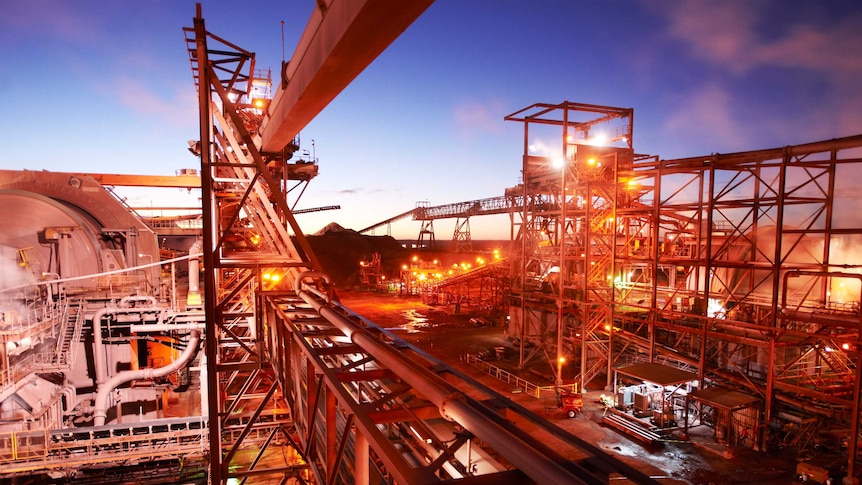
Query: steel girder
(731, 265)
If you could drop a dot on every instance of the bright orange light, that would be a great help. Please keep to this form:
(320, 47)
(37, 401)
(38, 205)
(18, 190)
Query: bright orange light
(275, 278)
(258, 103)
(845, 346)
(591, 161)
(561, 359)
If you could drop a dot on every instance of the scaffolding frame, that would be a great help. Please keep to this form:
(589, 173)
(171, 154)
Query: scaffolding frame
(726, 265)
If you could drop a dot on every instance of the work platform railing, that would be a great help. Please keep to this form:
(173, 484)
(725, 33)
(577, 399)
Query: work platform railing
(63, 451)
(519, 383)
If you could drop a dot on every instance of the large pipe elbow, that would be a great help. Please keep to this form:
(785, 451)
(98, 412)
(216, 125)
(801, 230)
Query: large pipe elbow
(101, 367)
(101, 405)
(307, 275)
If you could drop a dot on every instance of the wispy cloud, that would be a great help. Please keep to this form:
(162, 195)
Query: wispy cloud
(359, 191)
(177, 107)
(734, 34)
(48, 19)
(784, 72)
(704, 116)
(473, 117)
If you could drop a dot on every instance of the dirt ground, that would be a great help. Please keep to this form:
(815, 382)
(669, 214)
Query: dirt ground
(449, 336)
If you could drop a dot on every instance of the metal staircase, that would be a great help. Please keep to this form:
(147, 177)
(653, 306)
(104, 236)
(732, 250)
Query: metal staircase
(65, 355)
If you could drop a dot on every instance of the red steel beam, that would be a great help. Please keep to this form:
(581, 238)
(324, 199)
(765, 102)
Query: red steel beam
(341, 39)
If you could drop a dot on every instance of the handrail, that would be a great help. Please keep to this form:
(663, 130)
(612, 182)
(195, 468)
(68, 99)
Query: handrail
(529, 388)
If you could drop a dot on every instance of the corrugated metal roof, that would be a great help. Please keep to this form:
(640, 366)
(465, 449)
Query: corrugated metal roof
(660, 374)
(721, 397)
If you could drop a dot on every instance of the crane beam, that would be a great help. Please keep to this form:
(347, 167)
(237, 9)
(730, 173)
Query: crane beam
(341, 39)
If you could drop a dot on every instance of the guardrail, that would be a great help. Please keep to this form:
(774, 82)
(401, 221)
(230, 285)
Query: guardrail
(521, 385)
(76, 447)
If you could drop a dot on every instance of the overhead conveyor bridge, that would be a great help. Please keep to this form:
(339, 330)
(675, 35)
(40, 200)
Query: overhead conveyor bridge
(461, 211)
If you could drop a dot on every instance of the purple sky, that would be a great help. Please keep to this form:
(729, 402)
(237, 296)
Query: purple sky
(105, 86)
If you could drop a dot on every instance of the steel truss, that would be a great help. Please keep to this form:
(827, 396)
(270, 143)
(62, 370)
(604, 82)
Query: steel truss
(567, 232)
(249, 234)
(726, 265)
(313, 391)
(733, 266)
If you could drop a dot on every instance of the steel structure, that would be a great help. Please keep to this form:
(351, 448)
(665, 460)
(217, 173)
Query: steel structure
(96, 344)
(248, 246)
(351, 402)
(566, 230)
(460, 211)
(733, 266)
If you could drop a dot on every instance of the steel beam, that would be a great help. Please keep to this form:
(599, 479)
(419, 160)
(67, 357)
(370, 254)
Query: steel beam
(340, 40)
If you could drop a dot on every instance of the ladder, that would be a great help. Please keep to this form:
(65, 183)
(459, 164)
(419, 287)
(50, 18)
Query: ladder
(69, 335)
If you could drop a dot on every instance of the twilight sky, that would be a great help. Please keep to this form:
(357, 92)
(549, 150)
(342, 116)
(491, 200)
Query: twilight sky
(105, 86)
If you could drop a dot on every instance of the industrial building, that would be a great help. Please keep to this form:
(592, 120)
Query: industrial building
(720, 290)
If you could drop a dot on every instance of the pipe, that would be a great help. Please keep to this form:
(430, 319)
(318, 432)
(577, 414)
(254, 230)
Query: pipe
(101, 405)
(166, 327)
(297, 284)
(71, 396)
(98, 345)
(194, 296)
(451, 402)
(130, 301)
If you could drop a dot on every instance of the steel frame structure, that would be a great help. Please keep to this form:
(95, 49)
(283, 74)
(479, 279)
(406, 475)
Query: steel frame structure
(726, 264)
(292, 368)
(562, 292)
(248, 246)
